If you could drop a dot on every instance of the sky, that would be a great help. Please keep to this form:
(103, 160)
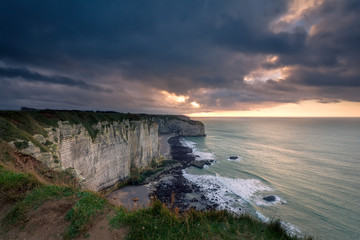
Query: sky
(195, 57)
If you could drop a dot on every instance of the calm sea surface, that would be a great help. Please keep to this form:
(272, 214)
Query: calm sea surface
(311, 166)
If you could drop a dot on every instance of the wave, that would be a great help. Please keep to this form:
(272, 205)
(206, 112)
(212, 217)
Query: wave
(235, 195)
(227, 191)
(199, 155)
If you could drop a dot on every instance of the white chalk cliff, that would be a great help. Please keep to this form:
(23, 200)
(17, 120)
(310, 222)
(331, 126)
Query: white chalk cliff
(105, 159)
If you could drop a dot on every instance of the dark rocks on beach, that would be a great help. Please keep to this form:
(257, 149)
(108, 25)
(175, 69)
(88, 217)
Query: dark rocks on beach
(233, 157)
(270, 198)
(200, 163)
(179, 152)
(166, 170)
(174, 189)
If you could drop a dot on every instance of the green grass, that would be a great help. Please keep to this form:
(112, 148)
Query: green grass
(83, 213)
(14, 186)
(30, 195)
(6, 152)
(11, 130)
(17, 215)
(158, 222)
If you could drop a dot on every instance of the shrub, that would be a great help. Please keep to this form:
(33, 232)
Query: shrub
(21, 144)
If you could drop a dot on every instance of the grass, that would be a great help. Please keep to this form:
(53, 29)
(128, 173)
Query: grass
(80, 216)
(6, 152)
(159, 222)
(11, 130)
(29, 170)
(14, 186)
(83, 213)
(17, 215)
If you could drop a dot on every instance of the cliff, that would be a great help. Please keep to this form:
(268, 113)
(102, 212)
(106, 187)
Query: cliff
(180, 125)
(97, 147)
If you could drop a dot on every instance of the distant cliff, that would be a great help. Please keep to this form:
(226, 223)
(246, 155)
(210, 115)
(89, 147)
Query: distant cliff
(180, 125)
(98, 147)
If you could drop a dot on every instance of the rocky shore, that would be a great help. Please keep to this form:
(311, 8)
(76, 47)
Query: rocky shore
(172, 188)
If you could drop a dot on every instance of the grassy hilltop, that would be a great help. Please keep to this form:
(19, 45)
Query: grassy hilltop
(37, 202)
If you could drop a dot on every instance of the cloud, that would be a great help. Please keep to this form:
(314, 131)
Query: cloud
(203, 50)
(28, 75)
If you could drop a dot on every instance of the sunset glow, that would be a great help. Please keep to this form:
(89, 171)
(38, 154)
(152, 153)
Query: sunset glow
(303, 109)
(172, 97)
(195, 105)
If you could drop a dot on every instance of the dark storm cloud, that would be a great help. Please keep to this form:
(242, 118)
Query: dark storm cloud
(28, 75)
(332, 54)
(180, 47)
(240, 36)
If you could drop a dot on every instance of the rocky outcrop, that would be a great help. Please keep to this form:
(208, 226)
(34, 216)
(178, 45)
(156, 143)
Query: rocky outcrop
(180, 125)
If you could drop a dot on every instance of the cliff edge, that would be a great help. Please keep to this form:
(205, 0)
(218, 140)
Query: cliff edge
(99, 148)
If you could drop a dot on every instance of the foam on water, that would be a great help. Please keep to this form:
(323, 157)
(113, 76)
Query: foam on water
(216, 192)
(234, 194)
(199, 155)
(230, 192)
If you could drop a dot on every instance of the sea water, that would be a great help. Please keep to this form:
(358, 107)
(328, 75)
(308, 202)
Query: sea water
(310, 165)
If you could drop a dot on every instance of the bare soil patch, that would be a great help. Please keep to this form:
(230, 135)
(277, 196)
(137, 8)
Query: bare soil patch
(101, 229)
(44, 223)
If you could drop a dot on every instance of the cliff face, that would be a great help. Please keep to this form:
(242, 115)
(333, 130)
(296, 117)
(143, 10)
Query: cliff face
(99, 148)
(180, 125)
(104, 160)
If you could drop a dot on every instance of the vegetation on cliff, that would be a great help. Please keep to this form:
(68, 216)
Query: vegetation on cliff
(24, 124)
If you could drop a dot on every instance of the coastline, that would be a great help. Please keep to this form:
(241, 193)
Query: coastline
(173, 189)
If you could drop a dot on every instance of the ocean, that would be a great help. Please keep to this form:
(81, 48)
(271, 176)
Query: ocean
(310, 165)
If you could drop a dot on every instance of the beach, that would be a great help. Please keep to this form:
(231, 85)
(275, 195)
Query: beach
(164, 145)
(125, 196)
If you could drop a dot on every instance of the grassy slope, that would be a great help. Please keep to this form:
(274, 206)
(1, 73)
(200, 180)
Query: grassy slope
(159, 222)
(154, 222)
(34, 194)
